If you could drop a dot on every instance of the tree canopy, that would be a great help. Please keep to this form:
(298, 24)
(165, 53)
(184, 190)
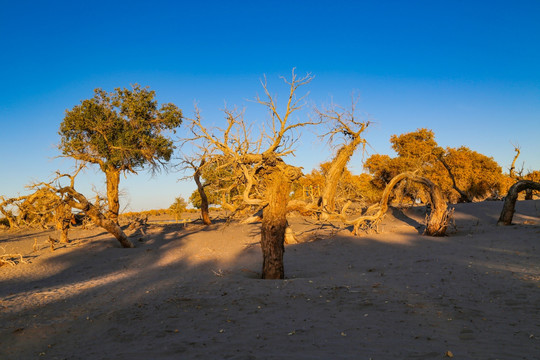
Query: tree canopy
(120, 131)
(461, 173)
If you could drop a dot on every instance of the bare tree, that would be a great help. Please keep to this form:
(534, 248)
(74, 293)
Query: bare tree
(513, 166)
(63, 198)
(345, 126)
(197, 172)
(5, 205)
(257, 165)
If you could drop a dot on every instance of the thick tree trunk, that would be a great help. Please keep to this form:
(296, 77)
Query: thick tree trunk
(274, 224)
(509, 206)
(204, 199)
(113, 183)
(63, 218)
(327, 201)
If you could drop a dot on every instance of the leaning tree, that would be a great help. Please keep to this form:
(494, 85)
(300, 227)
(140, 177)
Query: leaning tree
(122, 131)
(436, 222)
(509, 206)
(348, 128)
(255, 164)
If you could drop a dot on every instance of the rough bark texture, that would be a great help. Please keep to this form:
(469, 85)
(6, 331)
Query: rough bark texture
(509, 206)
(79, 201)
(437, 221)
(274, 224)
(63, 219)
(204, 199)
(327, 200)
(113, 182)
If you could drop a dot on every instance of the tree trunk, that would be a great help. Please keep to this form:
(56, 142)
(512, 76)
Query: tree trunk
(79, 201)
(113, 182)
(327, 200)
(11, 219)
(204, 199)
(63, 218)
(464, 197)
(274, 223)
(509, 206)
(437, 221)
(513, 166)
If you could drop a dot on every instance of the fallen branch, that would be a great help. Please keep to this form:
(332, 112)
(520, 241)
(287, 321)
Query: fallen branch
(12, 259)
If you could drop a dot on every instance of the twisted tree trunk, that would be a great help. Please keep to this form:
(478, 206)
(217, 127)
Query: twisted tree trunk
(509, 206)
(204, 199)
(437, 221)
(327, 200)
(78, 201)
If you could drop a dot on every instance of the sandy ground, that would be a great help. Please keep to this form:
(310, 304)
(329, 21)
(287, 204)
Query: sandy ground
(193, 292)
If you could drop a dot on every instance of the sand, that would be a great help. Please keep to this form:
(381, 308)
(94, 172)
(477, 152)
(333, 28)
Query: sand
(193, 292)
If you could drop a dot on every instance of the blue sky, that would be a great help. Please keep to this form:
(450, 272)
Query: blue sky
(469, 70)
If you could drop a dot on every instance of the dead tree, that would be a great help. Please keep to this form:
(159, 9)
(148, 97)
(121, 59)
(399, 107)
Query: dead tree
(509, 206)
(78, 201)
(8, 214)
(346, 126)
(197, 172)
(67, 198)
(513, 166)
(518, 175)
(256, 165)
(437, 220)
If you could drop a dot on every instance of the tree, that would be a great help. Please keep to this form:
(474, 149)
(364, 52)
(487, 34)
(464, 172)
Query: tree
(199, 198)
(122, 131)
(436, 222)
(256, 165)
(178, 207)
(345, 126)
(462, 174)
(507, 212)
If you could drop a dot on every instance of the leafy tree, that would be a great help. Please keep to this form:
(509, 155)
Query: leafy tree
(122, 131)
(462, 174)
(178, 207)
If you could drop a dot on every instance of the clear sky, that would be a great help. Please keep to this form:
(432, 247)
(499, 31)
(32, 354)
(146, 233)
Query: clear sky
(468, 70)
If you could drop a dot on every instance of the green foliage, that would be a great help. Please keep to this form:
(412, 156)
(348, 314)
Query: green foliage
(178, 207)
(121, 130)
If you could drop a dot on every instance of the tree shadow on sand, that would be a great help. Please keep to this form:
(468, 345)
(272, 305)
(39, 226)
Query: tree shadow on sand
(192, 293)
